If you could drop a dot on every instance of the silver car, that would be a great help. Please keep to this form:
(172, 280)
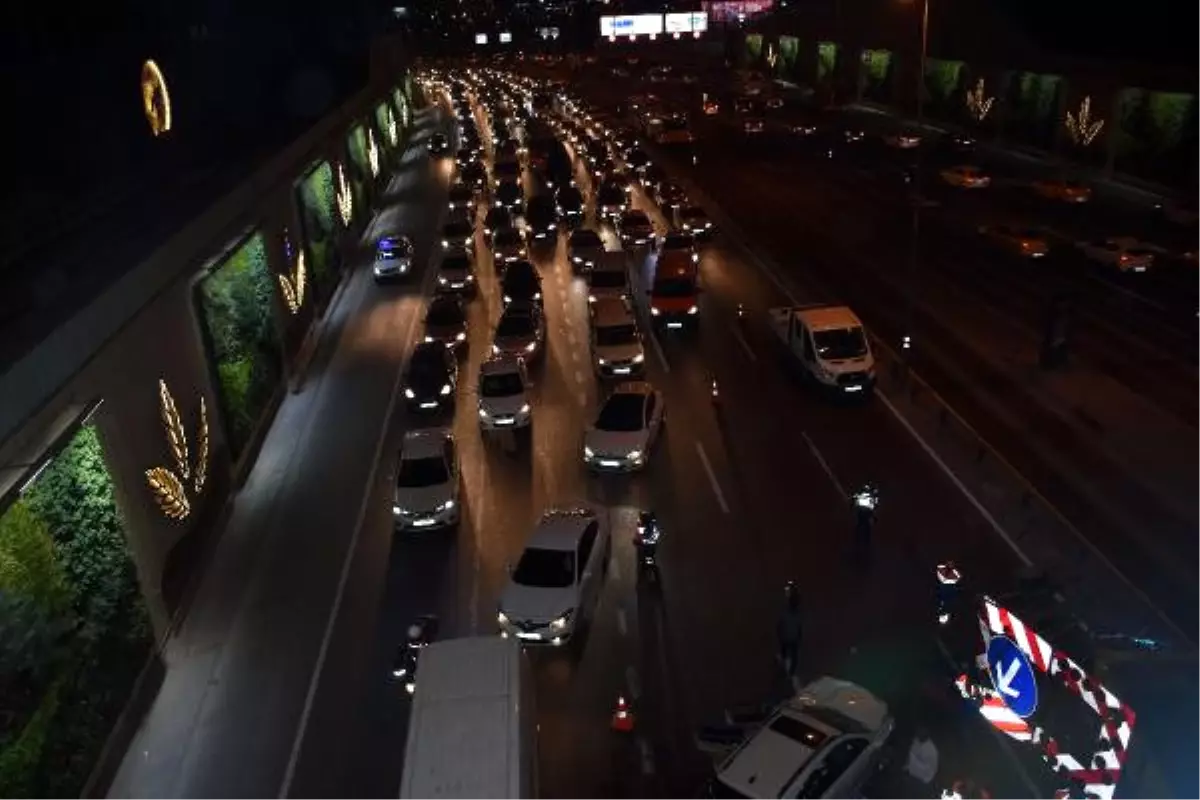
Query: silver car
(504, 393)
(393, 257)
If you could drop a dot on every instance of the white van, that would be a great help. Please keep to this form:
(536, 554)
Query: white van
(472, 727)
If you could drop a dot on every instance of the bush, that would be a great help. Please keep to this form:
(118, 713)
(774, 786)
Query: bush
(21, 761)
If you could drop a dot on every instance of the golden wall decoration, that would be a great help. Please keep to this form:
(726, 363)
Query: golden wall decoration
(344, 196)
(294, 285)
(372, 153)
(1083, 127)
(979, 104)
(156, 100)
(171, 487)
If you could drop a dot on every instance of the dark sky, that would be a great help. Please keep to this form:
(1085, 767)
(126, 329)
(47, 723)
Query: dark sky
(1159, 31)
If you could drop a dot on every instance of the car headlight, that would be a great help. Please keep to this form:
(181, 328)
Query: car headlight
(639, 358)
(501, 617)
(495, 349)
(397, 510)
(445, 242)
(537, 295)
(410, 394)
(563, 621)
(446, 506)
(507, 298)
(695, 258)
(694, 310)
(654, 312)
(591, 298)
(529, 348)
(428, 339)
(635, 455)
(445, 389)
(451, 206)
(483, 414)
(588, 452)
(460, 337)
(524, 409)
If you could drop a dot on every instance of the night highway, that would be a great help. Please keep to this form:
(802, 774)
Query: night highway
(286, 688)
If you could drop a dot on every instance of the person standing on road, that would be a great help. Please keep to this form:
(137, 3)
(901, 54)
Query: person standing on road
(789, 631)
(922, 764)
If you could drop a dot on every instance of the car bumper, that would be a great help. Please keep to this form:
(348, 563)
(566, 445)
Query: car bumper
(624, 370)
(505, 422)
(609, 463)
(392, 273)
(419, 405)
(536, 634)
(456, 286)
(425, 520)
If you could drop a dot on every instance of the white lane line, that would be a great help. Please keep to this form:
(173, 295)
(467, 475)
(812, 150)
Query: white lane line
(712, 478)
(579, 377)
(658, 351)
(647, 756)
(1127, 292)
(631, 680)
(575, 356)
(289, 772)
(949, 473)
(737, 334)
(621, 625)
(833, 478)
(615, 570)
(571, 338)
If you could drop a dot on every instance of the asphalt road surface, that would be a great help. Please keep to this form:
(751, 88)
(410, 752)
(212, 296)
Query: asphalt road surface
(277, 682)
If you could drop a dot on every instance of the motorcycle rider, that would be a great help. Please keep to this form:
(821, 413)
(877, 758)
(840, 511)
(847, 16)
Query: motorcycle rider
(864, 501)
(645, 539)
(948, 578)
(789, 630)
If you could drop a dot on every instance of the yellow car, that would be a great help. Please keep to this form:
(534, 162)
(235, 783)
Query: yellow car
(1063, 191)
(1024, 242)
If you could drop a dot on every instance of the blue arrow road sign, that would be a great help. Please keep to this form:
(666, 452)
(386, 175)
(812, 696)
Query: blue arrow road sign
(1012, 675)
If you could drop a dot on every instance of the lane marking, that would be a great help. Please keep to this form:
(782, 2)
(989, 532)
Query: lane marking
(658, 351)
(833, 478)
(582, 398)
(571, 337)
(621, 625)
(737, 334)
(631, 680)
(579, 377)
(615, 570)
(712, 478)
(949, 473)
(647, 756)
(310, 696)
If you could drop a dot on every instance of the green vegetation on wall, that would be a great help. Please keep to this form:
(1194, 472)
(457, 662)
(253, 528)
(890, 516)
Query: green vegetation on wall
(876, 75)
(403, 108)
(827, 55)
(73, 629)
(236, 302)
(1032, 107)
(789, 50)
(317, 202)
(1156, 136)
(944, 89)
(384, 123)
(356, 144)
(754, 49)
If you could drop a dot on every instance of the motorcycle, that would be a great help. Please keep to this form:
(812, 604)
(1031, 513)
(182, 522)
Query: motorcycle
(948, 579)
(716, 393)
(645, 542)
(417, 638)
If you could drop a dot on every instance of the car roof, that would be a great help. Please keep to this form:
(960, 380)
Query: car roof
(521, 267)
(634, 215)
(824, 318)
(585, 233)
(560, 529)
(610, 261)
(609, 311)
(424, 443)
(500, 365)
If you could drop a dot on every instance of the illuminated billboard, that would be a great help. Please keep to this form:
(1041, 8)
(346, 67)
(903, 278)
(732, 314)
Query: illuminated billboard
(481, 38)
(688, 22)
(637, 25)
(505, 37)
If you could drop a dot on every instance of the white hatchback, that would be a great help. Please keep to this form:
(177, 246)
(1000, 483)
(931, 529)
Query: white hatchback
(557, 582)
(626, 428)
(504, 394)
(427, 481)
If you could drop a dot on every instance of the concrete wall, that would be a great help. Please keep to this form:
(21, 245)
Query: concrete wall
(145, 328)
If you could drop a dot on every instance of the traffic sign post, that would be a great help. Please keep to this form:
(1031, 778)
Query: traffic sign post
(1012, 676)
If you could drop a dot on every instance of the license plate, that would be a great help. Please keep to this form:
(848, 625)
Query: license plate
(458, 285)
(423, 523)
(621, 370)
(675, 325)
(854, 388)
(428, 405)
(527, 636)
(609, 463)
(505, 421)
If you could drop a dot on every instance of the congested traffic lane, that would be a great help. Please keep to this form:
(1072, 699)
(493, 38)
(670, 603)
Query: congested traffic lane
(225, 717)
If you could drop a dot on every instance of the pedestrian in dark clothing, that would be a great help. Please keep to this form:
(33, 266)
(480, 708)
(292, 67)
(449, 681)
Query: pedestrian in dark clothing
(789, 631)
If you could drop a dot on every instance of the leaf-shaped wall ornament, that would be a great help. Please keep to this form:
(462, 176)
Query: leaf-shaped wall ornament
(168, 492)
(300, 279)
(289, 294)
(200, 473)
(173, 426)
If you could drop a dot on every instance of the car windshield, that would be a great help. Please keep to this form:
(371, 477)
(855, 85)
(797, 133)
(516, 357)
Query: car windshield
(456, 230)
(428, 362)
(417, 473)
(504, 384)
(839, 343)
(676, 242)
(519, 281)
(456, 264)
(461, 194)
(607, 279)
(635, 221)
(622, 413)
(393, 248)
(441, 314)
(637, 157)
(674, 287)
(611, 196)
(515, 325)
(507, 237)
(547, 569)
(570, 198)
(585, 238)
(616, 335)
(694, 214)
(675, 124)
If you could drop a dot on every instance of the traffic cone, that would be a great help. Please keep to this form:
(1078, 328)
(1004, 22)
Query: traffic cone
(622, 719)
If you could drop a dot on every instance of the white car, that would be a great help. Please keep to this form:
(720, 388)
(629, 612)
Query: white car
(609, 277)
(427, 481)
(1123, 252)
(504, 394)
(393, 257)
(557, 582)
(966, 177)
(617, 350)
(827, 741)
(626, 428)
(584, 249)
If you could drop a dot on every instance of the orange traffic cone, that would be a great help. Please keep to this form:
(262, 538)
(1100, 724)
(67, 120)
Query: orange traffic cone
(622, 719)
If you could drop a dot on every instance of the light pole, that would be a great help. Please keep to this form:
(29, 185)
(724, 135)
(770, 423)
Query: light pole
(917, 198)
